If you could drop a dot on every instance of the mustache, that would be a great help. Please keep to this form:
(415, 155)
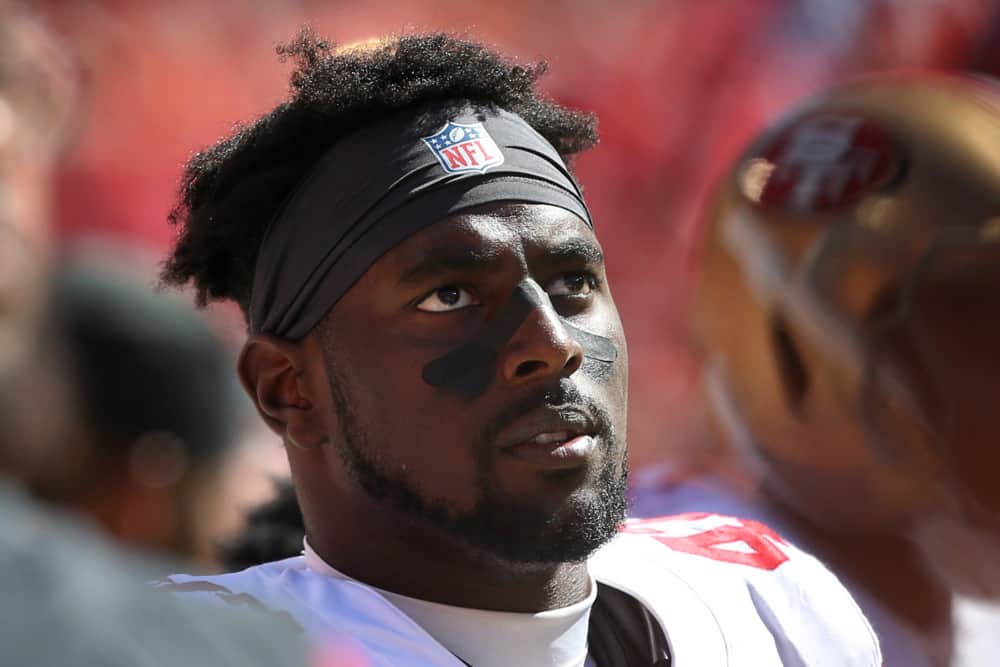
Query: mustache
(564, 397)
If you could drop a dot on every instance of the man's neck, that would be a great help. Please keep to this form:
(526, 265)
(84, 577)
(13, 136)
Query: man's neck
(407, 557)
(556, 638)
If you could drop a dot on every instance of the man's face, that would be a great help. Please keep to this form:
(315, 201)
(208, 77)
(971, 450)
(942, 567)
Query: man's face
(478, 383)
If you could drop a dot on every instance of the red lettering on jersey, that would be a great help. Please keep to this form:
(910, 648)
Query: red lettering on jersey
(455, 157)
(765, 545)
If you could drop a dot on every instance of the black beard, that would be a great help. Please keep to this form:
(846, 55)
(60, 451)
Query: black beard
(499, 525)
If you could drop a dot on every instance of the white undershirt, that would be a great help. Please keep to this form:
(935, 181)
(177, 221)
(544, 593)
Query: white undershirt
(555, 638)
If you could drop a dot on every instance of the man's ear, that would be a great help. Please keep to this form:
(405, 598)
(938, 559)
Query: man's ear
(272, 371)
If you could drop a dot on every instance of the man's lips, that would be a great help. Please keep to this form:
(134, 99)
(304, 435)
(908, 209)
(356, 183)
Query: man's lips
(572, 453)
(552, 439)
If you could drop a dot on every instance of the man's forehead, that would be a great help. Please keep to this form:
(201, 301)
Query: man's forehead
(531, 227)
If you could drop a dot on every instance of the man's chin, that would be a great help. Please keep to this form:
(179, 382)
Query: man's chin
(563, 540)
(545, 531)
(564, 519)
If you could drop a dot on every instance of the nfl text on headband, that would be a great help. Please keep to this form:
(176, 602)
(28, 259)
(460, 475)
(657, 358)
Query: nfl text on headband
(384, 182)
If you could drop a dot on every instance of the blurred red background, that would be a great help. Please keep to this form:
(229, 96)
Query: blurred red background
(678, 85)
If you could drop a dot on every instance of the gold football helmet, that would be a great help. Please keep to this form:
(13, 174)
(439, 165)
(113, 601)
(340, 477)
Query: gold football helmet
(849, 304)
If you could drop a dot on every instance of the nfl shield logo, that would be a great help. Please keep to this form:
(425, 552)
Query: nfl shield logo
(459, 148)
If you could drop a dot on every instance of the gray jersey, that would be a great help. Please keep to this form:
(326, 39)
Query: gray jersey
(68, 598)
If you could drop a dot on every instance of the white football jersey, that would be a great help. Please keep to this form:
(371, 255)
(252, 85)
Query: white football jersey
(726, 592)
(655, 492)
(977, 632)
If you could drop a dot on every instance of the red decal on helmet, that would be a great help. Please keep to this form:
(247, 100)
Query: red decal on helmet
(822, 162)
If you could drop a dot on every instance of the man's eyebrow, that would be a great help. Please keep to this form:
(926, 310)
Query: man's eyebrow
(460, 260)
(574, 250)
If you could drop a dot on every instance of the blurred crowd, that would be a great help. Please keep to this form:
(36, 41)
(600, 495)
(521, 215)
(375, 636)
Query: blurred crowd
(679, 88)
(119, 402)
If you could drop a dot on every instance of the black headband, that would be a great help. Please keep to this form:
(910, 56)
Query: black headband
(381, 184)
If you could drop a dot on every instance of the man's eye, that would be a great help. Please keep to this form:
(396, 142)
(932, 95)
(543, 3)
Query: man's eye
(446, 299)
(572, 284)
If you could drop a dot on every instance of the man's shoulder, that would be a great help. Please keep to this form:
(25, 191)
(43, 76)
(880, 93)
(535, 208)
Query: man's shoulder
(714, 538)
(264, 574)
(325, 608)
(259, 589)
(752, 589)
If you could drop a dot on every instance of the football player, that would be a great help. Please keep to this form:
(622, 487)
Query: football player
(432, 335)
(847, 313)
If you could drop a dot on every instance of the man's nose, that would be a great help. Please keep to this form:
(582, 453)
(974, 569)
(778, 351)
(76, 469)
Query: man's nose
(541, 348)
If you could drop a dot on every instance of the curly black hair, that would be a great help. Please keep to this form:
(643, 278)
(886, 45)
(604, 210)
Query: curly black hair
(231, 191)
